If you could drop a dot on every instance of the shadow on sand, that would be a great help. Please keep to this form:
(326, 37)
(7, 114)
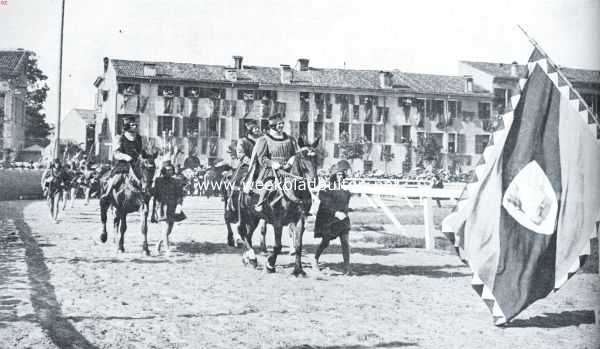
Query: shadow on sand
(431, 271)
(395, 344)
(556, 320)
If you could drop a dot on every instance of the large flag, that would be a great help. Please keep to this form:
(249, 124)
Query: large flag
(524, 224)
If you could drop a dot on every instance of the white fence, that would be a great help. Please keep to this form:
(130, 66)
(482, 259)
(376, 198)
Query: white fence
(374, 189)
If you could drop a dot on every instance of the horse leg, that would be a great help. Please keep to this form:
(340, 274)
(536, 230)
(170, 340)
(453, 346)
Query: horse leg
(272, 259)
(245, 231)
(104, 204)
(144, 214)
(230, 240)
(298, 232)
(73, 194)
(263, 237)
(122, 230)
(116, 224)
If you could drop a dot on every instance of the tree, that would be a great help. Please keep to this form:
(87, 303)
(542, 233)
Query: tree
(36, 127)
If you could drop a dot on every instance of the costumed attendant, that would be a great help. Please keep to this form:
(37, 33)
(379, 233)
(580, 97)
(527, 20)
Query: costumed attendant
(168, 195)
(332, 219)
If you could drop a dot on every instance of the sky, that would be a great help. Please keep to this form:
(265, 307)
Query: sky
(422, 36)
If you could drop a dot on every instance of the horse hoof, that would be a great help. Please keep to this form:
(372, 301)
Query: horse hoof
(254, 263)
(269, 269)
(299, 272)
(103, 238)
(230, 243)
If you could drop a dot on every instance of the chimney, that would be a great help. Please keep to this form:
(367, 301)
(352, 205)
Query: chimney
(514, 69)
(468, 83)
(237, 62)
(385, 79)
(303, 62)
(231, 74)
(286, 74)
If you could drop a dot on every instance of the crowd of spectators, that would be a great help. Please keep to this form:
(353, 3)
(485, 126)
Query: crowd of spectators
(23, 165)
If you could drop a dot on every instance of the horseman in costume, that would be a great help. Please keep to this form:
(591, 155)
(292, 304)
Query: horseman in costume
(128, 150)
(54, 172)
(271, 153)
(245, 146)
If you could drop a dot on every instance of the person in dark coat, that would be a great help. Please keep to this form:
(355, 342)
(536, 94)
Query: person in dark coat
(332, 219)
(128, 150)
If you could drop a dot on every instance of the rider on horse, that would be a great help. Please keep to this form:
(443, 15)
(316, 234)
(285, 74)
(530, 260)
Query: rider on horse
(128, 150)
(245, 146)
(271, 153)
(54, 172)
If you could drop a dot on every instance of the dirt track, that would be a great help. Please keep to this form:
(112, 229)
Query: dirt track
(61, 287)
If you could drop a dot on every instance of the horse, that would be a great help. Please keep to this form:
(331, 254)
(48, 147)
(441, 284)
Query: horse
(133, 195)
(291, 207)
(231, 214)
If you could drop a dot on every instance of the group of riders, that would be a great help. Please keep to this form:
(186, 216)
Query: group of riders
(266, 160)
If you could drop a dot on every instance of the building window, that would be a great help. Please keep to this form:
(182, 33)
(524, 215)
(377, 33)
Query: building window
(406, 133)
(336, 151)
(344, 112)
(168, 91)
(367, 100)
(420, 106)
(438, 108)
(191, 92)
(128, 89)
(451, 143)
(329, 131)
(344, 130)
(462, 143)
(368, 132)
(481, 141)
(501, 97)
(165, 125)
(246, 95)
(190, 127)
(452, 109)
(367, 166)
(484, 110)
(420, 138)
(213, 127)
(356, 133)
(344, 99)
(355, 112)
(223, 128)
(318, 130)
(328, 110)
(267, 94)
(382, 114)
(429, 109)
(303, 125)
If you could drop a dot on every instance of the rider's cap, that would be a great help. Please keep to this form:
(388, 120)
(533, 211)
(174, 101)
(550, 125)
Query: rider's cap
(275, 119)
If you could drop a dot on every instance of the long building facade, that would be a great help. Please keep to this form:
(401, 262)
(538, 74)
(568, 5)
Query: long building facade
(384, 118)
(13, 93)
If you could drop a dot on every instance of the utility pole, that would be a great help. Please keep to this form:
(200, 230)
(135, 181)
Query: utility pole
(62, 26)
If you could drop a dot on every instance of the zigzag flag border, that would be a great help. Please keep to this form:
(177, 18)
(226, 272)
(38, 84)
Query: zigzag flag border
(492, 153)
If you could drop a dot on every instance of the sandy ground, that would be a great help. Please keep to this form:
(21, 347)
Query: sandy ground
(61, 288)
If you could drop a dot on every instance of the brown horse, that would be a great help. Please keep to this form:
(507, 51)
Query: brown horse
(291, 206)
(133, 195)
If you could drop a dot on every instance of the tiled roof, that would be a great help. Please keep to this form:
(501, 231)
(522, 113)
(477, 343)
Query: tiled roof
(9, 61)
(314, 77)
(502, 70)
(86, 115)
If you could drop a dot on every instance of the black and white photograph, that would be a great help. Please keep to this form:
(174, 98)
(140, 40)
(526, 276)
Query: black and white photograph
(278, 174)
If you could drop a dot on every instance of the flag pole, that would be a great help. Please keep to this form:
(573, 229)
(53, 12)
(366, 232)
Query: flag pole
(60, 61)
(560, 73)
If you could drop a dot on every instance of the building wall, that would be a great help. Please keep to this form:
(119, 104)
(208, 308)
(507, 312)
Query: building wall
(149, 107)
(73, 128)
(13, 123)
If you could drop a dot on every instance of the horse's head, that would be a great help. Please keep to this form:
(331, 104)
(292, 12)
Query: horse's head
(145, 168)
(305, 162)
